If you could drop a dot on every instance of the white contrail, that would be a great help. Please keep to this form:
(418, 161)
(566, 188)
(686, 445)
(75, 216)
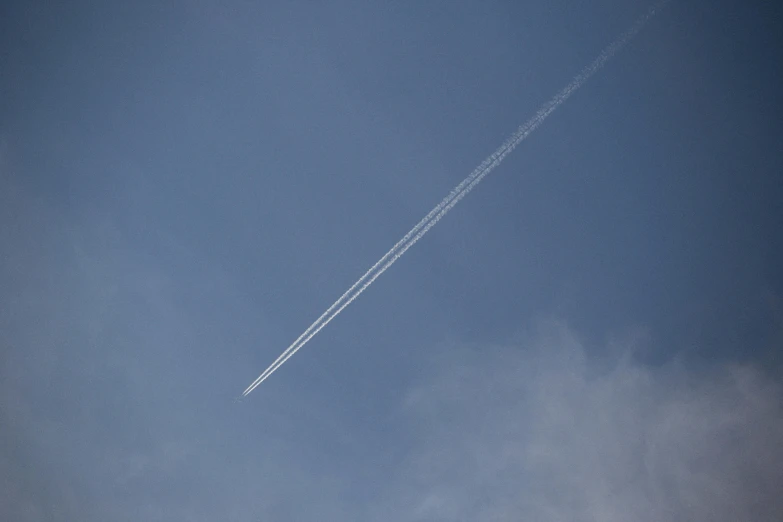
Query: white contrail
(454, 193)
(510, 142)
(459, 192)
(386, 256)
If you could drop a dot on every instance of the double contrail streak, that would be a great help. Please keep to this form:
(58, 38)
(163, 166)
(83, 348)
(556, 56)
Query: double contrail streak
(454, 197)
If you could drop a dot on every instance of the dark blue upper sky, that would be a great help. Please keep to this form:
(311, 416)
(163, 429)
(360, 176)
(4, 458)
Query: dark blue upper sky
(187, 185)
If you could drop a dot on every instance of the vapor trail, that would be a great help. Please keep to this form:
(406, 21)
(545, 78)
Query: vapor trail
(510, 142)
(454, 192)
(454, 197)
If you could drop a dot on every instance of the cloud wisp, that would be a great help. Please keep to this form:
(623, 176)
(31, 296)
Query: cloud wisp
(543, 430)
(455, 196)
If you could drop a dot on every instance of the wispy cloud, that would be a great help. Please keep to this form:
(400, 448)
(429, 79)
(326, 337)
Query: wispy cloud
(543, 431)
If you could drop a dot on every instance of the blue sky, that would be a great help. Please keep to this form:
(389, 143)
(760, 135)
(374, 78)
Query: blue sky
(592, 334)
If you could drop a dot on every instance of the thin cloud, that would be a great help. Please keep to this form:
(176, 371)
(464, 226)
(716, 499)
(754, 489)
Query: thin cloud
(542, 431)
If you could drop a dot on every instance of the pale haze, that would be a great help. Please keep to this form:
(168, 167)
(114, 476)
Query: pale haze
(592, 334)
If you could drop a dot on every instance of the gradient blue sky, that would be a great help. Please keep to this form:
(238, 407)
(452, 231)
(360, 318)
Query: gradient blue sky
(592, 334)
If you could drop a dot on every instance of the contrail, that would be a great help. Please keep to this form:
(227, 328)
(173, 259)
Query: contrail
(510, 142)
(454, 197)
(455, 192)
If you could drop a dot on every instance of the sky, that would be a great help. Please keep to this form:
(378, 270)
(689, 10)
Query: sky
(594, 333)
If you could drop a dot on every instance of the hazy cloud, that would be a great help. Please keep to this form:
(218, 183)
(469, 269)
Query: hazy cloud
(543, 431)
